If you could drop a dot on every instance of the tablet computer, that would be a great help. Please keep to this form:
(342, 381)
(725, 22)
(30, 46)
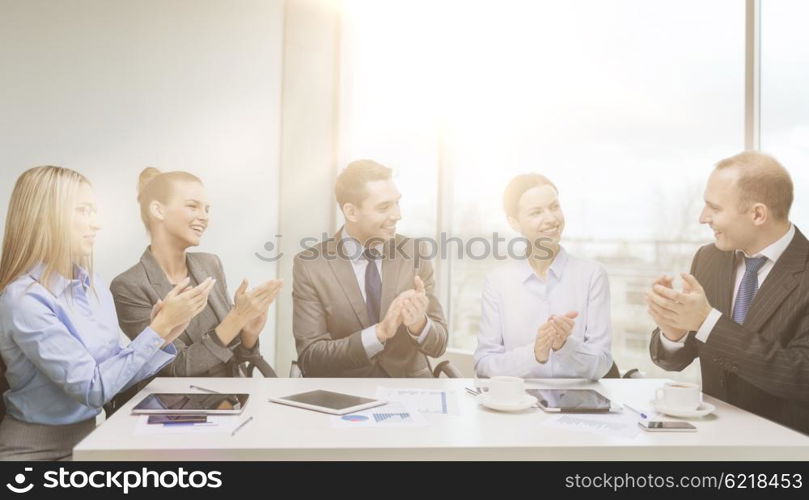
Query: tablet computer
(335, 403)
(191, 403)
(571, 400)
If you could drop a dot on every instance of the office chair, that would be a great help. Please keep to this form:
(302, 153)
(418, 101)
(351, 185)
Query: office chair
(448, 369)
(616, 373)
(445, 367)
(253, 363)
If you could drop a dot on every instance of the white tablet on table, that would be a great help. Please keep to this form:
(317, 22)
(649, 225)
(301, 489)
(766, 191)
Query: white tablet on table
(335, 403)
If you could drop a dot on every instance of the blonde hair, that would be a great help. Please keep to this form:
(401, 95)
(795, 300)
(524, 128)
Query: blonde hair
(518, 186)
(154, 185)
(761, 180)
(39, 225)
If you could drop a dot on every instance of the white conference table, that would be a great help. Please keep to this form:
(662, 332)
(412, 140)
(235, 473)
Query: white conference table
(279, 432)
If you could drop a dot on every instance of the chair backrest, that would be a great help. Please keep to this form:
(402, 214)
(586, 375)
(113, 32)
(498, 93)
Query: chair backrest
(448, 369)
(444, 367)
(295, 370)
(246, 368)
(614, 372)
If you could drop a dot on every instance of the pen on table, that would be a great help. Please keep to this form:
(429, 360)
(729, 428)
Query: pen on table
(642, 415)
(240, 426)
(204, 389)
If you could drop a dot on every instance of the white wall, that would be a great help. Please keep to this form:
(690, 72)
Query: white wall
(308, 143)
(108, 87)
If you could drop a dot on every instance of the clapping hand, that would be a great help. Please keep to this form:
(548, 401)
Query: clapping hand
(414, 307)
(677, 313)
(171, 315)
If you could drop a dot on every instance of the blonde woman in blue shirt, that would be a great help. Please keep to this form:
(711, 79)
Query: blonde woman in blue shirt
(59, 335)
(547, 314)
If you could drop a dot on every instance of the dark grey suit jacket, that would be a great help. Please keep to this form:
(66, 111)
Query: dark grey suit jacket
(199, 351)
(330, 314)
(761, 366)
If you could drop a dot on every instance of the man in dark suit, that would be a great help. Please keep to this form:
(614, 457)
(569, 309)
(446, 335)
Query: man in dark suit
(744, 308)
(363, 302)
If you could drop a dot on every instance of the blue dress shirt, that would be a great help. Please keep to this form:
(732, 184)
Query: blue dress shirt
(62, 349)
(516, 302)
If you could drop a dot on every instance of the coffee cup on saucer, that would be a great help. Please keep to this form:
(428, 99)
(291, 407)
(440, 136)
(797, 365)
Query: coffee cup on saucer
(679, 396)
(681, 399)
(507, 394)
(506, 389)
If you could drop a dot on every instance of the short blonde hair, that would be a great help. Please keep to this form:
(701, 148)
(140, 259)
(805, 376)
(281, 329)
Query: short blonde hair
(154, 185)
(761, 180)
(39, 225)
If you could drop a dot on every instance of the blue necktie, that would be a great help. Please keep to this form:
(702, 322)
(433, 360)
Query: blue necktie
(373, 286)
(747, 288)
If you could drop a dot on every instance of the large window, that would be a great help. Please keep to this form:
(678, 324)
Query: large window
(387, 107)
(785, 94)
(624, 104)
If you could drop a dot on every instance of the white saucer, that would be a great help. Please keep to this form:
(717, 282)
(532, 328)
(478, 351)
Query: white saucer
(703, 410)
(527, 401)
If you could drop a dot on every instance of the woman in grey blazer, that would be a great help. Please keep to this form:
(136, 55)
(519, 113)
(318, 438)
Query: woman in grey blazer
(175, 212)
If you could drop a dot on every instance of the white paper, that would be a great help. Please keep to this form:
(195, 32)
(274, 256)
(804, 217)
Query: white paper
(215, 423)
(424, 401)
(612, 424)
(393, 414)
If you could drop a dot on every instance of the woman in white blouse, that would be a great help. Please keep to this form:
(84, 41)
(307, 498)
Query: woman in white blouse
(545, 314)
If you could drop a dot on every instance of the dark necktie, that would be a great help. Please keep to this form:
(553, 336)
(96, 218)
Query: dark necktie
(747, 288)
(373, 285)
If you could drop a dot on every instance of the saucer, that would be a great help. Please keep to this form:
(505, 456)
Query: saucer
(527, 401)
(701, 411)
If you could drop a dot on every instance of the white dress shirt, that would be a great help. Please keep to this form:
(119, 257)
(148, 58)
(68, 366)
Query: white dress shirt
(773, 252)
(516, 302)
(353, 250)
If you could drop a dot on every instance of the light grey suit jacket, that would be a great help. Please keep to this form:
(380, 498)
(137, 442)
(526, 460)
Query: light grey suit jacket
(330, 314)
(199, 350)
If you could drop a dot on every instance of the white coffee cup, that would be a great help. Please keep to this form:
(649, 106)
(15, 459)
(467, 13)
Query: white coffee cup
(506, 389)
(679, 396)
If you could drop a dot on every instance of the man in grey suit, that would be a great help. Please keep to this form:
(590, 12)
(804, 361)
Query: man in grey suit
(744, 308)
(363, 300)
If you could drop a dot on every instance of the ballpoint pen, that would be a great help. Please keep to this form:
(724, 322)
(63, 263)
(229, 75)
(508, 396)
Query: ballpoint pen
(642, 415)
(240, 426)
(204, 389)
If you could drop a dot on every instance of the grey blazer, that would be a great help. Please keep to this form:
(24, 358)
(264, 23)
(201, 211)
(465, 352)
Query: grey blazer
(330, 314)
(761, 366)
(199, 350)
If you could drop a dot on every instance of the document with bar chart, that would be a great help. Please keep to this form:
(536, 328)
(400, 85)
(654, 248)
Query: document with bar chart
(424, 400)
(393, 414)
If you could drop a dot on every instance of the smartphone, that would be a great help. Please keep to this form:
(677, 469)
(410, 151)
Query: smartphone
(666, 426)
(177, 419)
